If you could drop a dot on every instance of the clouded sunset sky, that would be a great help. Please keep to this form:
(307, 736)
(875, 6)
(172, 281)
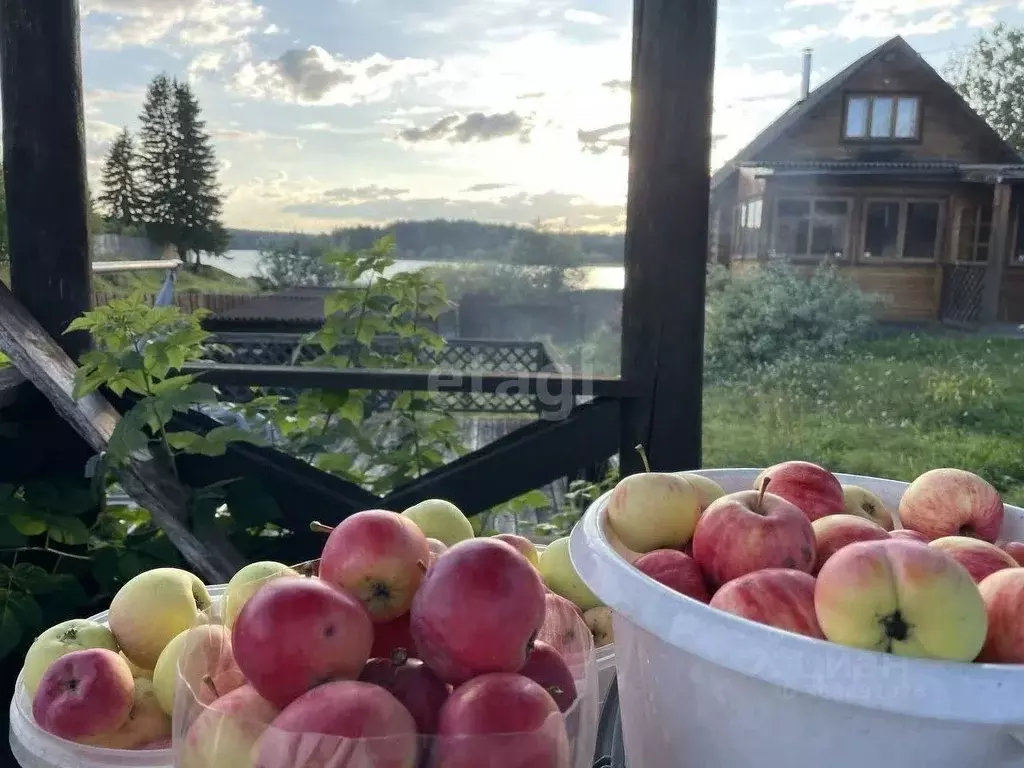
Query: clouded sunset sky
(333, 112)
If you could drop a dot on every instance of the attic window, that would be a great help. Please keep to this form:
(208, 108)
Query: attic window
(882, 116)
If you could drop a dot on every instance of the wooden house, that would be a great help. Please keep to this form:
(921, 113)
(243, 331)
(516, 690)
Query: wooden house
(885, 171)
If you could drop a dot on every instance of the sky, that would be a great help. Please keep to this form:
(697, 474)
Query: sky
(328, 113)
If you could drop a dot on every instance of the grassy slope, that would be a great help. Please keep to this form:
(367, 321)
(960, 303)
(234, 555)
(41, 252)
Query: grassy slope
(894, 408)
(205, 280)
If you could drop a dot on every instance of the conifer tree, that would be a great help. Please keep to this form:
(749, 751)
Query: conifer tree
(120, 200)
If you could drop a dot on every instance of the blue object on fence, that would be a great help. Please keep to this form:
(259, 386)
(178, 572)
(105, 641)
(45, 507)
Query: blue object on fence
(166, 296)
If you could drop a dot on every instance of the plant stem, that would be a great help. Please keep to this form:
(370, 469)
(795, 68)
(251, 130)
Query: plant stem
(643, 457)
(50, 550)
(760, 496)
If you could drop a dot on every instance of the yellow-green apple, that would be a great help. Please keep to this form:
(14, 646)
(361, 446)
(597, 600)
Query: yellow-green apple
(908, 535)
(779, 597)
(599, 622)
(980, 558)
(224, 733)
(563, 626)
(810, 488)
(60, 640)
(138, 672)
(901, 597)
(748, 531)
(546, 666)
(413, 683)
(834, 532)
(621, 549)
(202, 658)
(294, 634)
(676, 571)
(952, 502)
(153, 608)
(1014, 549)
(437, 547)
(379, 558)
(489, 706)
(322, 725)
(84, 694)
(521, 543)
(707, 489)
(147, 723)
(653, 510)
(561, 577)
(1003, 593)
(244, 584)
(441, 520)
(863, 503)
(478, 610)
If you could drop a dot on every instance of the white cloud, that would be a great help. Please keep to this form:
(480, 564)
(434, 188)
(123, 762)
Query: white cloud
(885, 18)
(792, 38)
(584, 17)
(186, 22)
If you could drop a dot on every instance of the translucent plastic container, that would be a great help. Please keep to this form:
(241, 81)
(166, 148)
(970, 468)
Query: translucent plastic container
(700, 687)
(605, 669)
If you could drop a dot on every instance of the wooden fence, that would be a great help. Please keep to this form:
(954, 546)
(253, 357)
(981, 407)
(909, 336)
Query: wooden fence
(187, 302)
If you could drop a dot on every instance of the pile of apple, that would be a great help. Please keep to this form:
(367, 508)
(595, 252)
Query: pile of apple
(402, 651)
(803, 553)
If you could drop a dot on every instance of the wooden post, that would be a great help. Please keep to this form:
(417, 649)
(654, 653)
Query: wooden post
(998, 253)
(667, 231)
(44, 161)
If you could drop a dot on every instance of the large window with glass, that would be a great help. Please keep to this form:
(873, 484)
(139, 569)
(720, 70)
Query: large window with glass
(902, 229)
(975, 232)
(746, 233)
(811, 228)
(882, 116)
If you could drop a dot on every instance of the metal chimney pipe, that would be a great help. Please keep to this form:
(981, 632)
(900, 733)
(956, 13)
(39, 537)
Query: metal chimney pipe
(805, 82)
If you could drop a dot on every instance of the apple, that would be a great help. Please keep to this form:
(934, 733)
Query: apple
(202, 657)
(812, 489)
(834, 532)
(60, 640)
(437, 547)
(562, 626)
(521, 543)
(1014, 549)
(246, 581)
(414, 685)
(980, 558)
(392, 636)
(901, 597)
(84, 694)
(560, 575)
(147, 723)
(676, 571)
(138, 672)
(379, 558)
(952, 502)
(779, 597)
(1003, 593)
(653, 510)
(707, 489)
(318, 730)
(294, 634)
(903, 533)
(599, 622)
(477, 611)
(863, 503)
(501, 714)
(152, 609)
(546, 666)
(750, 530)
(441, 520)
(224, 733)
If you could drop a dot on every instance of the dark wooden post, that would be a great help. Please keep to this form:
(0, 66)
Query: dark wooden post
(998, 253)
(667, 230)
(44, 162)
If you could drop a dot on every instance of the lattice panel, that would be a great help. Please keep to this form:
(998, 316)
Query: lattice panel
(962, 291)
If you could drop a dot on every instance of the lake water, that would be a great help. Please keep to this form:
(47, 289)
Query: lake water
(246, 264)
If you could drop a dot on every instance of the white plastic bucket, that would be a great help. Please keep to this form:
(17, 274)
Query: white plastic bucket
(699, 687)
(605, 669)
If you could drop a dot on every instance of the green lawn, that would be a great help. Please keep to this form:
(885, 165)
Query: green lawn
(891, 408)
(205, 280)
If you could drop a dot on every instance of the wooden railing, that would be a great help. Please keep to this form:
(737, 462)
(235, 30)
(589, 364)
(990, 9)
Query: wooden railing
(187, 302)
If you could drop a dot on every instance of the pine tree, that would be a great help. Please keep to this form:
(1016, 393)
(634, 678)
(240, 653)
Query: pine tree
(121, 200)
(157, 155)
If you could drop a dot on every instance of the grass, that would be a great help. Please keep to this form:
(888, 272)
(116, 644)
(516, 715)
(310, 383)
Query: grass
(204, 280)
(894, 408)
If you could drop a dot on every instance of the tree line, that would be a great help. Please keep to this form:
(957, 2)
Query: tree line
(163, 183)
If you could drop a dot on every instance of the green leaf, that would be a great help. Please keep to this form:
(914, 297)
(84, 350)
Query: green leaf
(335, 462)
(133, 361)
(10, 536)
(10, 628)
(188, 442)
(353, 410)
(35, 580)
(67, 530)
(28, 525)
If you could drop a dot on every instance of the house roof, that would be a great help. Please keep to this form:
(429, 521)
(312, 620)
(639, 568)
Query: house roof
(858, 167)
(297, 305)
(802, 108)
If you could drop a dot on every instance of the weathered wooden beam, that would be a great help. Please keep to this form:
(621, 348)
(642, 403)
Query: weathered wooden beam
(998, 253)
(47, 366)
(44, 162)
(667, 230)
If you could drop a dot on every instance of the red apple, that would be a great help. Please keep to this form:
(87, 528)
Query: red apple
(226, 731)
(952, 502)
(676, 571)
(1003, 593)
(546, 666)
(903, 533)
(84, 694)
(980, 558)
(501, 720)
(562, 627)
(1014, 549)
(477, 611)
(748, 531)
(834, 532)
(812, 489)
(413, 683)
(778, 597)
(378, 557)
(294, 634)
(392, 636)
(320, 728)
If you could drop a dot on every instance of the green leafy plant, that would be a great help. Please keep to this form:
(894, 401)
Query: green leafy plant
(581, 494)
